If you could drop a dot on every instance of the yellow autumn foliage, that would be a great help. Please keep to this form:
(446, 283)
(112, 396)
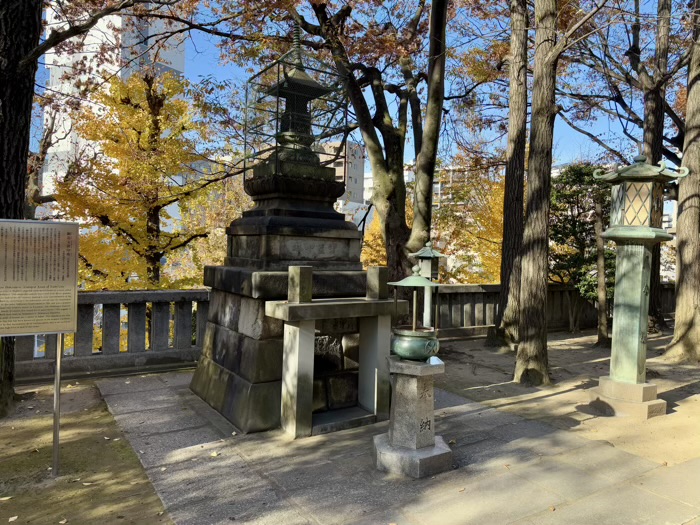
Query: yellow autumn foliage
(145, 196)
(467, 228)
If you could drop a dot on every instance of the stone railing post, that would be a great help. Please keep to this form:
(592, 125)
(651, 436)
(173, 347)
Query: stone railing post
(298, 359)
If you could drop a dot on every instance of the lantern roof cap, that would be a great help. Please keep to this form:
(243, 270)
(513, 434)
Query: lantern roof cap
(427, 252)
(414, 281)
(297, 82)
(640, 170)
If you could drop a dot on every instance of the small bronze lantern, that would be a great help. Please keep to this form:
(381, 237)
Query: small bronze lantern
(429, 263)
(428, 260)
(413, 342)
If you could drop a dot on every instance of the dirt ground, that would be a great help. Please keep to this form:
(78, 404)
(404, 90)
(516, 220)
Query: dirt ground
(484, 374)
(101, 480)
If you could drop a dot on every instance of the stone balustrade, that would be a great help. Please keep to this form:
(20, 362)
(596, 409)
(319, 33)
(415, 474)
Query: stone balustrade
(121, 332)
(111, 335)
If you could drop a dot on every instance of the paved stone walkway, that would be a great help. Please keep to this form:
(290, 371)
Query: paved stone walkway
(507, 469)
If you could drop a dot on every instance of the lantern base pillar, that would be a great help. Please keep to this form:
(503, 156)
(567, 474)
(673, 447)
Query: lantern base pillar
(635, 400)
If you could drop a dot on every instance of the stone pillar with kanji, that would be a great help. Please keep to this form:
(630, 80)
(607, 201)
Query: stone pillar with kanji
(411, 447)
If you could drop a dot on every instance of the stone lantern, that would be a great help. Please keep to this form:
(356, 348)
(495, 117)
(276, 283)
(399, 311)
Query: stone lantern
(635, 226)
(429, 262)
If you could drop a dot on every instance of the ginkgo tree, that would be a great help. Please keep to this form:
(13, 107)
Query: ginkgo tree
(137, 196)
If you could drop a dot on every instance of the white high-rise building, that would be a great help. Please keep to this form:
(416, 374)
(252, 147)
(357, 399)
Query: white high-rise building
(113, 47)
(349, 167)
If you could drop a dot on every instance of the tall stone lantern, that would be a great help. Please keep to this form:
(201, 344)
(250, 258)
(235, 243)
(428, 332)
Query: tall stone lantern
(635, 226)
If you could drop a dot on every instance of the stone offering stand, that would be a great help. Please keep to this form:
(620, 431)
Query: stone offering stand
(300, 314)
(411, 447)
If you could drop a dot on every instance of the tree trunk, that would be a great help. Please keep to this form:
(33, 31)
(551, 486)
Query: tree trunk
(574, 303)
(654, 115)
(509, 294)
(20, 29)
(603, 338)
(385, 140)
(653, 137)
(531, 364)
(686, 336)
(389, 199)
(427, 156)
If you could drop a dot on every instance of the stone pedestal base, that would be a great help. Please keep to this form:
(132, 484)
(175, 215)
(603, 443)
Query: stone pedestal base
(240, 371)
(626, 399)
(411, 447)
(416, 463)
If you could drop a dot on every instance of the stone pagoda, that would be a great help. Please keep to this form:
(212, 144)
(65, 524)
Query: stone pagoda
(293, 223)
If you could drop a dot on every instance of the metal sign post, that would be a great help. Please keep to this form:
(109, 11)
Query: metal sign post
(57, 404)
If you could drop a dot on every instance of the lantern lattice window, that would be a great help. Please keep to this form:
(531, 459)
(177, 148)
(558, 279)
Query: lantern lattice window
(638, 209)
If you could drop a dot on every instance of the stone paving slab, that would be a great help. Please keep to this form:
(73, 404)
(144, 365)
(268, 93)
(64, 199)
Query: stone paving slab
(498, 499)
(158, 420)
(626, 505)
(602, 458)
(129, 402)
(507, 470)
(131, 384)
(571, 483)
(681, 482)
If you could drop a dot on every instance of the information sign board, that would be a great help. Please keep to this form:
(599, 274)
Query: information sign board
(38, 277)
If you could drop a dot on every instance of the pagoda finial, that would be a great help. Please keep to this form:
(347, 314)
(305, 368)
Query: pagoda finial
(296, 41)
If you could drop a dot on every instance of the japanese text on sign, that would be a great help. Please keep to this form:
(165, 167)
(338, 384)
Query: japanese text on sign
(38, 277)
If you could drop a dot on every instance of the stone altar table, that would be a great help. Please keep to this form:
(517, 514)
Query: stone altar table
(300, 313)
